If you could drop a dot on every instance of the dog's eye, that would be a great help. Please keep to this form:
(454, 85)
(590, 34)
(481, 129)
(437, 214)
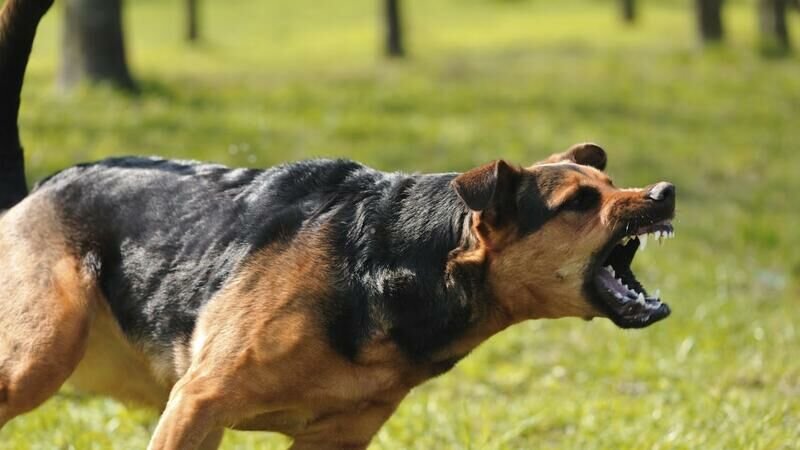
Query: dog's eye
(584, 199)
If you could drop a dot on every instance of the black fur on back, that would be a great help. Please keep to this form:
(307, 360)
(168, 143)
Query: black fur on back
(165, 236)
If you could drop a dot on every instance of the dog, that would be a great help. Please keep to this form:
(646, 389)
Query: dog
(307, 298)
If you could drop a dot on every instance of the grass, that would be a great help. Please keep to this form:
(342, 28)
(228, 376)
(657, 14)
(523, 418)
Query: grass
(276, 81)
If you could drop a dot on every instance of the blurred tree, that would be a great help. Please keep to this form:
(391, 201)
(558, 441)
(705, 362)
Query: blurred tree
(18, 22)
(394, 29)
(772, 24)
(709, 20)
(628, 10)
(192, 28)
(93, 47)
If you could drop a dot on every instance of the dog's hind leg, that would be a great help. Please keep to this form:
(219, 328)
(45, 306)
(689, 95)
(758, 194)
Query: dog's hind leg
(46, 298)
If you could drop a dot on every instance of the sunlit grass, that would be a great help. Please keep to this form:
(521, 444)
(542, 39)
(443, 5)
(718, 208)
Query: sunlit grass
(277, 81)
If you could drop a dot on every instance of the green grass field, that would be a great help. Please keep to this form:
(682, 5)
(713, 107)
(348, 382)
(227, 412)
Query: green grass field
(284, 80)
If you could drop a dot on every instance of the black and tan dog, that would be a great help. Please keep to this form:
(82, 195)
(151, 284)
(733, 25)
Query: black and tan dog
(307, 298)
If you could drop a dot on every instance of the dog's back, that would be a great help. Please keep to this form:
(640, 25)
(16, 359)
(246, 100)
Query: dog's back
(162, 237)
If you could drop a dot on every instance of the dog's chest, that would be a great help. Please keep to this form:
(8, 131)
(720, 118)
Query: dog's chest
(338, 392)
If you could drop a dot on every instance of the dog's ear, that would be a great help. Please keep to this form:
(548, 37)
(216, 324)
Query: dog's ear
(586, 154)
(490, 190)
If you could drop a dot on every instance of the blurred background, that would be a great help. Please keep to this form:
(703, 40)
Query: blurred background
(703, 93)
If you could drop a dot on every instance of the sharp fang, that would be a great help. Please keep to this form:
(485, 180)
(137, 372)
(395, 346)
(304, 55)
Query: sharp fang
(640, 299)
(625, 240)
(643, 241)
(610, 270)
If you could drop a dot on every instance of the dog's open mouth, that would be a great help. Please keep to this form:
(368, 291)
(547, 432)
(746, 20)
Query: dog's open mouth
(615, 286)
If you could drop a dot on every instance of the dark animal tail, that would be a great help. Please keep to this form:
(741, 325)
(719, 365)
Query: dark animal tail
(18, 21)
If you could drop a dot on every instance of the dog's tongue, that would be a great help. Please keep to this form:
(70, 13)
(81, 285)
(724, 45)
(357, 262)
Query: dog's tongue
(613, 285)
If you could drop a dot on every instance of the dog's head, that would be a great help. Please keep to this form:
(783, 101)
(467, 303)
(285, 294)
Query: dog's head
(559, 238)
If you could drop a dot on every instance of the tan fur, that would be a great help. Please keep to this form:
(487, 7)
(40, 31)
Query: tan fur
(257, 356)
(45, 307)
(542, 275)
(110, 358)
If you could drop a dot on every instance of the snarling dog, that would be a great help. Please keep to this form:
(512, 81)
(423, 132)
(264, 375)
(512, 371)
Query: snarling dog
(308, 298)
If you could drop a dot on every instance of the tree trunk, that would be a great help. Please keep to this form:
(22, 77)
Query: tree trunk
(772, 24)
(18, 22)
(394, 29)
(709, 20)
(192, 29)
(628, 8)
(93, 45)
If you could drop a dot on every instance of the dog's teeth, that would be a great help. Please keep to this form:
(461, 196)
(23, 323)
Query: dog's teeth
(625, 240)
(643, 241)
(610, 270)
(640, 299)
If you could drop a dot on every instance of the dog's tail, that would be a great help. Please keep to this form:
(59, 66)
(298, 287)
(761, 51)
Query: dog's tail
(18, 22)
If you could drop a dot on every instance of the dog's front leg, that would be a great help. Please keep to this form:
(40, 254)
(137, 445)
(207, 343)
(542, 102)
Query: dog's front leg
(193, 418)
(213, 439)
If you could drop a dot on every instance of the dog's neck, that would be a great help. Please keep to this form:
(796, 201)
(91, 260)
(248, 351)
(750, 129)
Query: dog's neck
(452, 307)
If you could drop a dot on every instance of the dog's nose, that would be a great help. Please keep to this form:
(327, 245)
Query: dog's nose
(661, 191)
